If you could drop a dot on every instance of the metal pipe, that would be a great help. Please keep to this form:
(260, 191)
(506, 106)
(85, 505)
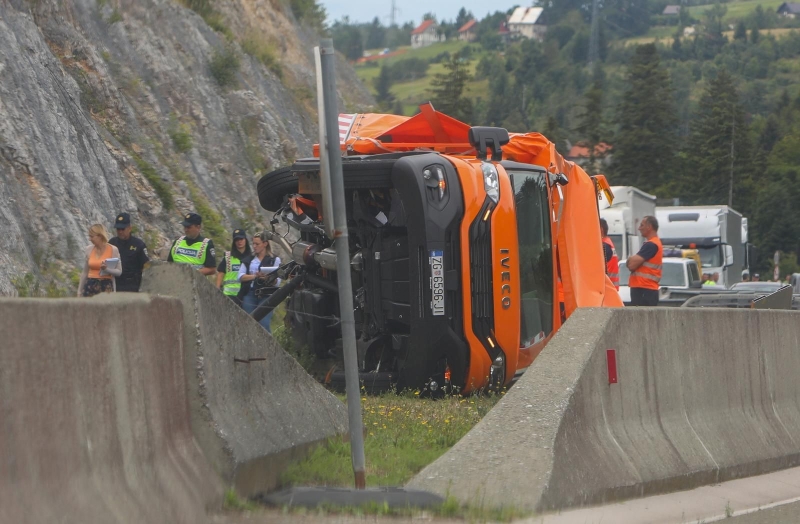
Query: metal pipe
(271, 302)
(331, 148)
(275, 237)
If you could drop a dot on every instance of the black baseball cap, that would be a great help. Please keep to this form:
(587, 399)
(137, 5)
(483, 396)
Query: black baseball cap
(191, 219)
(122, 221)
(239, 233)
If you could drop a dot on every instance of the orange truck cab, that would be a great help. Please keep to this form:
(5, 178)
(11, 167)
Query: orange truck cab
(459, 237)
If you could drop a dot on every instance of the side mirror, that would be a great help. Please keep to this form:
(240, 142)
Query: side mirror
(728, 255)
(695, 284)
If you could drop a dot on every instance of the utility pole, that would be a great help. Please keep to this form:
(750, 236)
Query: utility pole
(733, 142)
(336, 226)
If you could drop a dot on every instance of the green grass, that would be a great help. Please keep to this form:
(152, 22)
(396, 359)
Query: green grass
(736, 10)
(404, 433)
(161, 187)
(415, 92)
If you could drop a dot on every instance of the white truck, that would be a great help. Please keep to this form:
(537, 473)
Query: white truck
(624, 215)
(715, 231)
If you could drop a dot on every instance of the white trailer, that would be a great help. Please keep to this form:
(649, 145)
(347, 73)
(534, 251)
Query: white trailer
(715, 231)
(624, 216)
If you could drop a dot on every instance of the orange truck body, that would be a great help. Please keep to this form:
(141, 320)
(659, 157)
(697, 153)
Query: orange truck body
(577, 264)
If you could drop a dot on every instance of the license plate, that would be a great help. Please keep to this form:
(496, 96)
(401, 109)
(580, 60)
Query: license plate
(436, 260)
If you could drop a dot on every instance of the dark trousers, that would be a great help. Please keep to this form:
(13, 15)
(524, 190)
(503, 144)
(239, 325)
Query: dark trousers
(644, 297)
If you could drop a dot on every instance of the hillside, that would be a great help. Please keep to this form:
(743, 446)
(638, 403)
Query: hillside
(146, 107)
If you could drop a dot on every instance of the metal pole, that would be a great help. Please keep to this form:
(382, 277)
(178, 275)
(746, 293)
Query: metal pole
(341, 242)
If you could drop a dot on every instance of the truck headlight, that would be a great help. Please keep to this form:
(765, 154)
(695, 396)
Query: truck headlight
(434, 178)
(491, 182)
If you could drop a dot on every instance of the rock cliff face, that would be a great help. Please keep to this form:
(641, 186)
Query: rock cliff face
(142, 106)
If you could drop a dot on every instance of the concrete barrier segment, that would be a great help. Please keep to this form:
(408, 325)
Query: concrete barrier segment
(702, 396)
(94, 416)
(254, 409)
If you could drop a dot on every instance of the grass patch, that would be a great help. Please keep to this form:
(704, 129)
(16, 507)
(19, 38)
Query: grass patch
(232, 502)
(161, 188)
(266, 52)
(404, 434)
(224, 65)
(210, 16)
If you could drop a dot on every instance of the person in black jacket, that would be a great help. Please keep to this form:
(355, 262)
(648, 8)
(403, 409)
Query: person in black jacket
(132, 253)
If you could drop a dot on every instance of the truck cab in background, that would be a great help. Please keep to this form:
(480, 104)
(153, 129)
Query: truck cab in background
(715, 231)
(623, 217)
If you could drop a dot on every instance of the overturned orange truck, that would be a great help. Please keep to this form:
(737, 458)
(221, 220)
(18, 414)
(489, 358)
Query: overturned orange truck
(469, 246)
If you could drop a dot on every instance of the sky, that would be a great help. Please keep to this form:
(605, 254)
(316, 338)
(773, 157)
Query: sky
(410, 10)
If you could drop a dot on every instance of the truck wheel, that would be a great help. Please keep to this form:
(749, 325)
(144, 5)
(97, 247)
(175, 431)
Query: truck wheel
(364, 174)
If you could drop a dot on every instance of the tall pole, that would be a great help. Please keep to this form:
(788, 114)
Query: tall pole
(329, 147)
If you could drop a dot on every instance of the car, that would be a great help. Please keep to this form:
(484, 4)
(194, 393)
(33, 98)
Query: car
(757, 287)
(676, 274)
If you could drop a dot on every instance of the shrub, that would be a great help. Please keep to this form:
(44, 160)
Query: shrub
(224, 65)
(181, 135)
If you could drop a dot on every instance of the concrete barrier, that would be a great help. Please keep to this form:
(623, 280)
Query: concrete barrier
(702, 396)
(94, 416)
(253, 407)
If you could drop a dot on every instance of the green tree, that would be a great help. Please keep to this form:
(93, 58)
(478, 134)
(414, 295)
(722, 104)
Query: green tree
(447, 89)
(383, 84)
(591, 123)
(741, 32)
(376, 35)
(645, 142)
(719, 151)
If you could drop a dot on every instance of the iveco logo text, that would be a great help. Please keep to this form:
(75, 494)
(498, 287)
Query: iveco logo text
(505, 276)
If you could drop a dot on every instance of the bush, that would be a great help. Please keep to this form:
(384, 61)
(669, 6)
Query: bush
(181, 135)
(224, 65)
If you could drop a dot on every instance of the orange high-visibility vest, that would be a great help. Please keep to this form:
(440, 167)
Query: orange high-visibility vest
(648, 275)
(612, 266)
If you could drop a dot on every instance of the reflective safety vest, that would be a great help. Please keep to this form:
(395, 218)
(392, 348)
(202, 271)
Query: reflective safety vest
(648, 275)
(195, 255)
(230, 285)
(612, 266)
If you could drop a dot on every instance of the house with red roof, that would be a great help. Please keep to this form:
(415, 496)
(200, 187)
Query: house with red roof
(426, 34)
(469, 31)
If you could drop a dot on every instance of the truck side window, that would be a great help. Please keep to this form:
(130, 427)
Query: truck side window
(535, 255)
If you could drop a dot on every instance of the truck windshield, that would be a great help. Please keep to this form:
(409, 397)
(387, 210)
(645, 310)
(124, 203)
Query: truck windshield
(535, 255)
(710, 256)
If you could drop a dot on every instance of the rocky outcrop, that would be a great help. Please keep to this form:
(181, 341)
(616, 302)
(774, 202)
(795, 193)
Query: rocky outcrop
(142, 106)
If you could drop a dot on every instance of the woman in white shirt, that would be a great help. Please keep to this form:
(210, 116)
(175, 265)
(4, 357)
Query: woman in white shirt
(257, 275)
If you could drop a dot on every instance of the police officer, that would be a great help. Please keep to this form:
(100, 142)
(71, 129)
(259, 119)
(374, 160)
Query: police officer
(228, 269)
(193, 248)
(645, 266)
(132, 252)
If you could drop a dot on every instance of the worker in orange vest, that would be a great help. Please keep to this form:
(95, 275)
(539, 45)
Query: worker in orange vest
(645, 266)
(610, 254)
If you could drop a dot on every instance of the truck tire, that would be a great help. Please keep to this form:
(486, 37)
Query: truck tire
(363, 174)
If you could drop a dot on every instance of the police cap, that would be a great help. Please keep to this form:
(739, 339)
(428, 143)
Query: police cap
(191, 219)
(239, 233)
(122, 221)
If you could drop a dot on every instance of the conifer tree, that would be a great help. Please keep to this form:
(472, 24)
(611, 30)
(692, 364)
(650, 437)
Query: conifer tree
(383, 84)
(645, 143)
(447, 89)
(718, 151)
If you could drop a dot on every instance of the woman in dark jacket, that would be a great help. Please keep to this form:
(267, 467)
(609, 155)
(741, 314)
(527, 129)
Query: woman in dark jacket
(258, 273)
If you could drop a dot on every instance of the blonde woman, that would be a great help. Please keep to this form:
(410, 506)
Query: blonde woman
(99, 269)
